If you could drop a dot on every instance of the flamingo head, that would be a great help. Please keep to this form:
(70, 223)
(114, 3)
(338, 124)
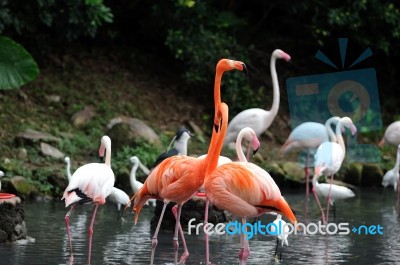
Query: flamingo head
(1, 173)
(105, 144)
(227, 65)
(134, 160)
(252, 137)
(348, 123)
(281, 55)
(66, 159)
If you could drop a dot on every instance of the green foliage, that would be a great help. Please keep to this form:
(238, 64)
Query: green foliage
(17, 67)
(146, 152)
(64, 19)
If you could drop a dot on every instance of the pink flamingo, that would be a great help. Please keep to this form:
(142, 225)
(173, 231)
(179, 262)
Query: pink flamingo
(178, 178)
(245, 190)
(258, 119)
(91, 183)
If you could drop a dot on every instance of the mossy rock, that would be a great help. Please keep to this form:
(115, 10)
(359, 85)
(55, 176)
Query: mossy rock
(372, 175)
(294, 172)
(353, 174)
(22, 187)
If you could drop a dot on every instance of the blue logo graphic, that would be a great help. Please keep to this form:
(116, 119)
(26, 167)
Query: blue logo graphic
(352, 93)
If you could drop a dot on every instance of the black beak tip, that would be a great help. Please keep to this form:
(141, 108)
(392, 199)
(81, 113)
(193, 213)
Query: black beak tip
(245, 71)
(216, 127)
(255, 151)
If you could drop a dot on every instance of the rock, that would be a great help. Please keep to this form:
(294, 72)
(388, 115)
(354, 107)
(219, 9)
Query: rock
(82, 117)
(353, 174)
(372, 175)
(126, 131)
(51, 151)
(53, 98)
(12, 224)
(22, 154)
(22, 187)
(31, 136)
(294, 172)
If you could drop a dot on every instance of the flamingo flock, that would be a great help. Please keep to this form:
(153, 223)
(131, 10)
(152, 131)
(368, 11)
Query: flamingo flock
(240, 187)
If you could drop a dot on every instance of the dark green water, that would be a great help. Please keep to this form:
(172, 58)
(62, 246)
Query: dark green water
(117, 242)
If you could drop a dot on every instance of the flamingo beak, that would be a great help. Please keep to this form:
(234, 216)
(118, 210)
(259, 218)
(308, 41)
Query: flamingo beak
(245, 71)
(255, 151)
(285, 209)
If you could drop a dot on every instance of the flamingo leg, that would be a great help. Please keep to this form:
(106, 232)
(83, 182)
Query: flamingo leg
(244, 251)
(334, 210)
(328, 199)
(319, 205)
(175, 239)
(154, 240)
(276, 248)
(185, 254)
(67, 216)
(307, 176)
(91, 232)
(205, 234)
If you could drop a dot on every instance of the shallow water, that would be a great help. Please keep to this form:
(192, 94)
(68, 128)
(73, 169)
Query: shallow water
(116, 242)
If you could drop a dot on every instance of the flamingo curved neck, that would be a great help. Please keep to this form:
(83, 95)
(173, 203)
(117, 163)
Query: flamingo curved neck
(133, 174)
(108, 156)
(328, 124)
(69, 171)
(217, 90)
(217, 141)
(339, 136)
(239, 149)
(396, 166)
(275, 87)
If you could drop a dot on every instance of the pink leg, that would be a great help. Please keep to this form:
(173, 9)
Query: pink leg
(244, 251)
(185, 254)
(205, 234)
(91, 232)
(307, 176)
(328, 199)
(319, 205)
(154, 240)
(175, 239)
(71, 257)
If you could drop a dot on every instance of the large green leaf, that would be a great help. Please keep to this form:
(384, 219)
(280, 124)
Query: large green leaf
(17, 67)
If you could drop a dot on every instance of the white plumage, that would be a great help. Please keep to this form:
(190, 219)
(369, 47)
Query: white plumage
(256, 118)
(135, 184)
(391, 177)
(392, 134)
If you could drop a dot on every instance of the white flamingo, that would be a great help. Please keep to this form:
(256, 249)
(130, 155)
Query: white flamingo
(1, 175)
(337, 192)
(91, 183)
(135, 184)
(391, 177)
(256, 118)
(329, 157)
(309, 136)
(117, 196)
(392, 134)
